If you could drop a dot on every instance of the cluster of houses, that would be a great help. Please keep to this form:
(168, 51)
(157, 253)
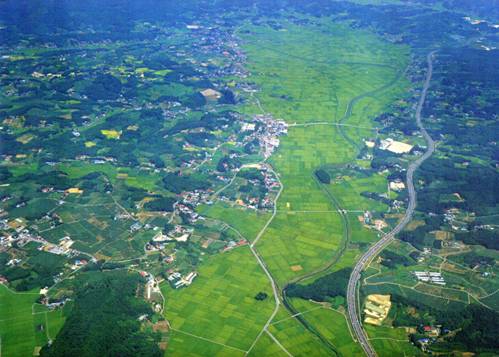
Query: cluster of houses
(264, 198)
(430, 335)
(232, 244)
(430, 277)
(210, 39)
(451, 218)
(369, 222)
(266, 131)
(196, 197)
(189, 213)
(176, 279)
(269, 132)
(19, 234)
(423, 255)
(16, 232)
(177, 234)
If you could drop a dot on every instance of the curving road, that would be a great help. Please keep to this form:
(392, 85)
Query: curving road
(386, 240)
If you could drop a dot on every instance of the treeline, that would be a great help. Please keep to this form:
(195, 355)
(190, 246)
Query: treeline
(329, 286)
(210, 121)
(391, 259)
(477, 184)
(177, 183)
(323, 176)
(104, 320)
(421, 236)
(485, 237)
(161, 204)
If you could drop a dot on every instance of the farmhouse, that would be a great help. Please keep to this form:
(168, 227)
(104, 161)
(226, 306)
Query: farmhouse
(160, 237)
(179, 281)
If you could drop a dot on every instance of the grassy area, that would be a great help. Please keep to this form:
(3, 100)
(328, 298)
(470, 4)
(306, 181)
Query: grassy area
(130, 177)
(21, 331)
(220, 306)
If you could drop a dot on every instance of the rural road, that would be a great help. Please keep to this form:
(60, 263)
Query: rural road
(386, 240)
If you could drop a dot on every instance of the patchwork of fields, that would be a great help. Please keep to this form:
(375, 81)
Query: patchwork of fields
(219, 174)
(220, 306)
(308, 79)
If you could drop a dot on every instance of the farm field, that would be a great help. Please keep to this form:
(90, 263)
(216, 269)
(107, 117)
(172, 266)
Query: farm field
(182, 344)
(295, 338)
(307, 224)
(247, 222)
(305, 149)
(220, 305)
(332, 324)
(389, 341)
(296, 243)
(232, 178)
(312, 69)
(23, 328)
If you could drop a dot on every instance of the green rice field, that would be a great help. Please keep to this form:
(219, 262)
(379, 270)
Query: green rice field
(24, 329)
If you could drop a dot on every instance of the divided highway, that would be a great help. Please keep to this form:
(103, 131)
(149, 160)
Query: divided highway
(386, 240)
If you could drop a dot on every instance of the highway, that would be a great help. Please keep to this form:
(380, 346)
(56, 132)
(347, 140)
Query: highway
(374, 250)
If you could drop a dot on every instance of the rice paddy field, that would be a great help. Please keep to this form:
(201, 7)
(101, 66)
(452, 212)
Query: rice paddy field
(307, 76)
(332, 324)
(320, 76)
(220, 306)
(295, 243)
(25, 327)
(246, 221)
(295, 338)
(317, 68)
(389, 341)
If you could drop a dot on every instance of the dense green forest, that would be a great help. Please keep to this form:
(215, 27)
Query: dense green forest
(104, 319)
(329, 286)
(475, 327)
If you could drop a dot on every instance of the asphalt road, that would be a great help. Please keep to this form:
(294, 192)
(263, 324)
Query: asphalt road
(386, 240)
